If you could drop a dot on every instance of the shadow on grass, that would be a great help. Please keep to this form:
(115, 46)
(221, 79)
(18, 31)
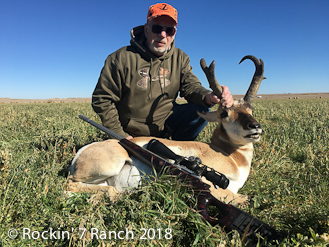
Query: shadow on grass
(302, 223)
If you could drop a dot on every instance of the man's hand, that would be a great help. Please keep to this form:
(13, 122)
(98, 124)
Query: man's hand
(226, 101)
(129, 137)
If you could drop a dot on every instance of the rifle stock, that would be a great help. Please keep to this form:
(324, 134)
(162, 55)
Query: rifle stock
(230, 218)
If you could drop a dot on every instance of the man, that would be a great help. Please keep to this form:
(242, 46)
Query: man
(136, 91)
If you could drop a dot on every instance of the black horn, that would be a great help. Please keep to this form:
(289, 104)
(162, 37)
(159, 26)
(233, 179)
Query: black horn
(257, 78)
(210, 73)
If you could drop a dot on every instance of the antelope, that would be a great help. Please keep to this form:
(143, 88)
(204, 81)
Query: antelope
(106, 167)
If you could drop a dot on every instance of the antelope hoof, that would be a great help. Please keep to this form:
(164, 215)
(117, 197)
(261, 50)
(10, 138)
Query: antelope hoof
(241, 201)
(76, 187)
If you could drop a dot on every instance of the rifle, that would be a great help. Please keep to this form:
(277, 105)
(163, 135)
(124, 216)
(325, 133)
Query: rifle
(251, 229)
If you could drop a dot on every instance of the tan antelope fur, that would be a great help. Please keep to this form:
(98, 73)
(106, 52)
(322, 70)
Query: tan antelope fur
(105, 167)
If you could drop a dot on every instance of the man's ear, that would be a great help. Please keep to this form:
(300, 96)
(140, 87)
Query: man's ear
(209, 116)
(145, 27)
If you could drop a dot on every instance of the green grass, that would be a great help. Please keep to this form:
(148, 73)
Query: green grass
(288, 182)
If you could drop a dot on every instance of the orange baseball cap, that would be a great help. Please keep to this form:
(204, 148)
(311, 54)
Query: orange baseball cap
(160, 9)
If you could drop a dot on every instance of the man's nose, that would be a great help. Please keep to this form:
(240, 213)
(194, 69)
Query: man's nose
(163, 33)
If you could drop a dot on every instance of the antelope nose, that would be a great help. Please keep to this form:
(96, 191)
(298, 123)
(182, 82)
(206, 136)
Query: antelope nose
(254, 126)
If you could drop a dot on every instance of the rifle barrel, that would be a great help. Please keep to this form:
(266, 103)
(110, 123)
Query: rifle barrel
(102, 128)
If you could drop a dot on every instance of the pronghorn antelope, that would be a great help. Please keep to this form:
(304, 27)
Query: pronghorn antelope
(107, 168)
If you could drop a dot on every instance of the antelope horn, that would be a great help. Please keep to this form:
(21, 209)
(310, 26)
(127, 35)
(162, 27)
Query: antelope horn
(210, 73)
(257, 78)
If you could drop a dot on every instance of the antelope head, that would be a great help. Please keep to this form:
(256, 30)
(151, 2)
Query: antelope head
(236, 124)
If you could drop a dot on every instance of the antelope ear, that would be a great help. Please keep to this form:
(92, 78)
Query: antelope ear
(209, 116)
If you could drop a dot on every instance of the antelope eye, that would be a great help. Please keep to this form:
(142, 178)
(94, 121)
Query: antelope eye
(224, 114)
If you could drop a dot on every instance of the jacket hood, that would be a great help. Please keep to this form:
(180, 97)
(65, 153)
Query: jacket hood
(138, 40)
(157, 64)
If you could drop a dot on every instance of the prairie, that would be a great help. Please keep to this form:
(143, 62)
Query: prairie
(288, 183)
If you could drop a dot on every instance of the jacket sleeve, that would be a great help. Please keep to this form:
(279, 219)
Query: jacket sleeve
(191, 88)
(107, 93)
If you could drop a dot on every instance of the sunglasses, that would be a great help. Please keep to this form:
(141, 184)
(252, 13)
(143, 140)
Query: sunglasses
(156, 28)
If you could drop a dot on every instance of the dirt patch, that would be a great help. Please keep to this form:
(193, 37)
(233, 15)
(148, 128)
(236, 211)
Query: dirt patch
(259, 97)
(52, 100)
(288, 96)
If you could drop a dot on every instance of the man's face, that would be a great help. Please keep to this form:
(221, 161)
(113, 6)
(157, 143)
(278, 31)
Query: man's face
(160, 43)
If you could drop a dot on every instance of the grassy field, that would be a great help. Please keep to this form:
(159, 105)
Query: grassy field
(288, 183)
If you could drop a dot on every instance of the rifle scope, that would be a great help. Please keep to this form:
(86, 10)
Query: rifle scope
(192, 163)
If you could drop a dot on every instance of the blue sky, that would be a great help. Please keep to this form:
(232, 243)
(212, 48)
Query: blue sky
(57, 48)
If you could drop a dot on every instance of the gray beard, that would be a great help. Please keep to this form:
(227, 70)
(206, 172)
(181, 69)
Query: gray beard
(163, 51)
